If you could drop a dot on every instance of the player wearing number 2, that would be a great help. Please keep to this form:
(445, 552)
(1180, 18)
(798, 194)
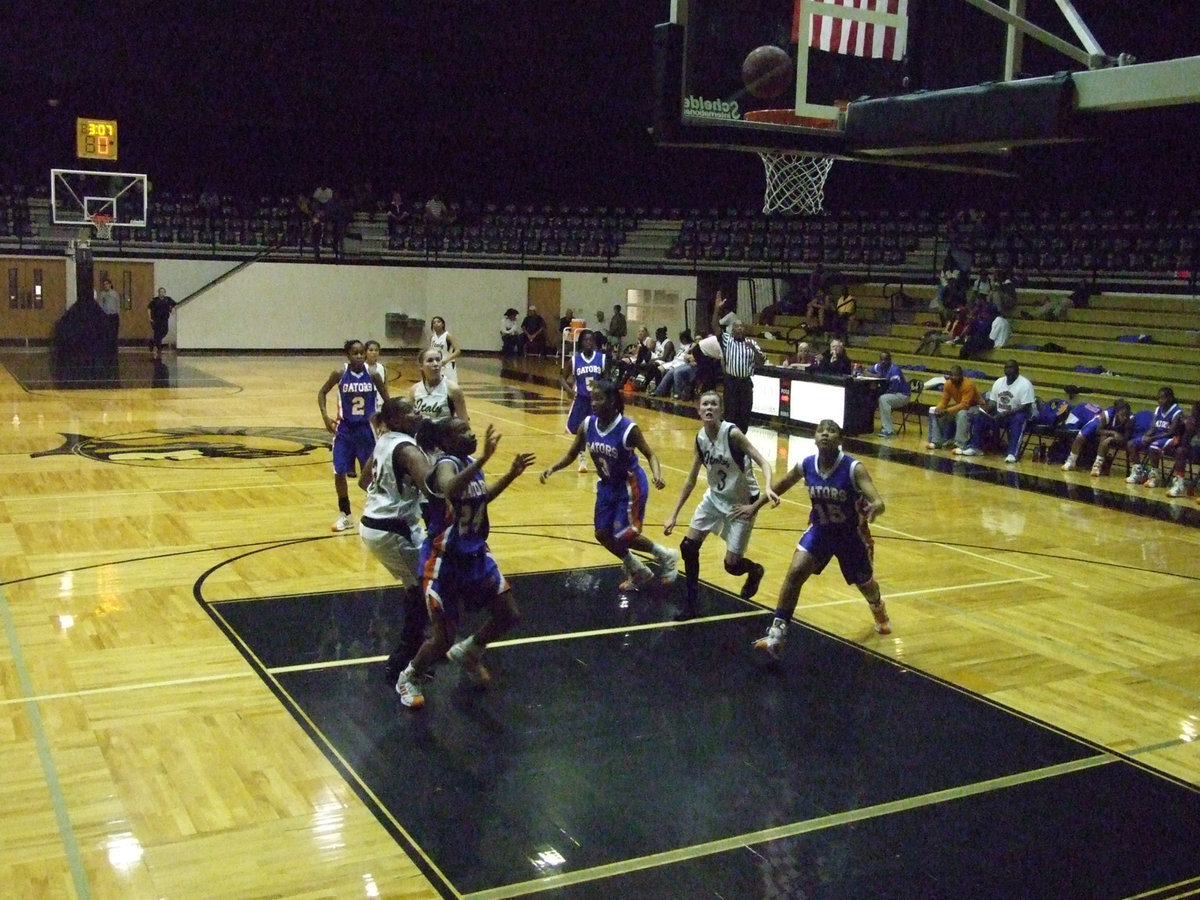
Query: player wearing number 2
(578, 374)
(844, 503)
(614, 443)
(458, 571)
(353, 437)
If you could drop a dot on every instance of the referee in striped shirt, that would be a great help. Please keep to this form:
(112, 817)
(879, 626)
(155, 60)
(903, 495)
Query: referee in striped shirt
(741, 355)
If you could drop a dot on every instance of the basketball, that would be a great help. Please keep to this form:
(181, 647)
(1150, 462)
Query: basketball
(767, 71)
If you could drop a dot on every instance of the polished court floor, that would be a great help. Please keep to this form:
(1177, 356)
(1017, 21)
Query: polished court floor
(193, 687)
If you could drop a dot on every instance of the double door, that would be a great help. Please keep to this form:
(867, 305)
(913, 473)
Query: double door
(35, 296)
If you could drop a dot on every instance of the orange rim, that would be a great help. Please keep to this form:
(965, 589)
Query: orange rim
(787, 117)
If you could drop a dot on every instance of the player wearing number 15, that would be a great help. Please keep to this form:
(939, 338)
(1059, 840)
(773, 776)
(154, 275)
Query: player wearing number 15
(844, 503)
(353, 437)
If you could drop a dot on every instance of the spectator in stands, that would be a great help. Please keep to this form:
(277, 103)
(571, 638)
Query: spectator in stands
(834, 361)
(979, 328)
(636, 360)
(564, 322)
(397, 215)
(842, 314)
(949, 294)
(1010, 403)
(1109, 430)
(981, 289)
(510, 333)
(1185, 451)
(816, 312)
(803, 358)
(617, 329)
(1165, 433)
(1052, 309)
(1081, 297)
(437, 213)
(533, 334)
(676, 374)
(664, 347)
(953, 331)
(896, 392)
(959, 397)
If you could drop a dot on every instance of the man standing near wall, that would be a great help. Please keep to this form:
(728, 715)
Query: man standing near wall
(110, 305)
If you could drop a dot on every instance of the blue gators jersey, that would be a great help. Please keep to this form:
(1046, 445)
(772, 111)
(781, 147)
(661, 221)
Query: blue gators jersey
(356, 397)
(587, 370)
(835, 500)
(1082, 413)
(609, 449)
(457, 528)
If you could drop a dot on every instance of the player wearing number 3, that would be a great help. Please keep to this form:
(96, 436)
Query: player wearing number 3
(353, 437)
(844, 503)
(578, 374)
(614, 443)
(458, 571)
(729, 505)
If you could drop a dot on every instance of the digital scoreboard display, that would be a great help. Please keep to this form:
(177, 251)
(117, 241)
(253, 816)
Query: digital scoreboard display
(96, 139)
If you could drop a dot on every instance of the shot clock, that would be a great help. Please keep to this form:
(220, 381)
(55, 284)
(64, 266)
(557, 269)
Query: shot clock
(96, 139)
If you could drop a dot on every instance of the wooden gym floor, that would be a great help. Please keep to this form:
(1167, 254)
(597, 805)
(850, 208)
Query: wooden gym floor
(193, 702)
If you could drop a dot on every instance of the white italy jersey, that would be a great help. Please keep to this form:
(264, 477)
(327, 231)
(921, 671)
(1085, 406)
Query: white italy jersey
(389, 497)
(442, 342)
(730, 477)
(433, 402)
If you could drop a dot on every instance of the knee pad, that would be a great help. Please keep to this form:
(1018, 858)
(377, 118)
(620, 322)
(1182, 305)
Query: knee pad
(690, 551)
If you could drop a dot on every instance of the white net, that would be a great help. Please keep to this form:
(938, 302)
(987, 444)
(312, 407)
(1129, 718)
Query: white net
(103, 226)
(795, 182)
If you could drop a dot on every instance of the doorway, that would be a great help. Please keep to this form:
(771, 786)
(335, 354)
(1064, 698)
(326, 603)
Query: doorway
(36, 297)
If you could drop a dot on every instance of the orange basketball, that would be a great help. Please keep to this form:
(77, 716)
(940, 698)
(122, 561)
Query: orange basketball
(767, 71)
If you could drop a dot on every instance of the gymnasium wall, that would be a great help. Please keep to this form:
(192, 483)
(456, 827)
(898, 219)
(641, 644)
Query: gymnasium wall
(299, 306)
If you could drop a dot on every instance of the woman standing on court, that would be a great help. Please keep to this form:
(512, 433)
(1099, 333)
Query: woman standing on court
(353, 438)
(391, 526)
(844, 503)
(435, 396)
(443, 340)
(579, 373)
(458, 571)
(614, 442)
(728, 506)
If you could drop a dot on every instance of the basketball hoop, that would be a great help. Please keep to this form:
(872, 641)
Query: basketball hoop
(103, 226)
(795, 178)
(795, 182)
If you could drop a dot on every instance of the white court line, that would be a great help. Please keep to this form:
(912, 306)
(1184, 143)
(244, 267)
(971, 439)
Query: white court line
(537, 639)
(750, 839)
(139, 686)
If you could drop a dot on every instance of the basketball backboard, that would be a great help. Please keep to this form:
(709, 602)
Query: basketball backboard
(77, 196)
(875, 80)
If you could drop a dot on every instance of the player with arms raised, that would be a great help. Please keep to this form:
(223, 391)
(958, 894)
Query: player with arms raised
(844, 503)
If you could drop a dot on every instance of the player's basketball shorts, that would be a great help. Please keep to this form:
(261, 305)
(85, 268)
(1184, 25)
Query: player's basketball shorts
(350, 443)
(1158, 445)
(581, 408)
(716, 519)
(396, 544)
(454, 584)
(853, 547)
(621, 508)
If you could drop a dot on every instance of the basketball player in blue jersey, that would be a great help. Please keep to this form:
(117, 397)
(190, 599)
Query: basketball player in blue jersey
(391, 526)
(353, 437)
(614, 443)
(457, 569)
(1108, 429)
(844, 503)
(577, 376)
(728, 506)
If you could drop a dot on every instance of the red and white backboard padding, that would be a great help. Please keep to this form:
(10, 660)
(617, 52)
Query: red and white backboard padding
(881, 33)
(77, 197)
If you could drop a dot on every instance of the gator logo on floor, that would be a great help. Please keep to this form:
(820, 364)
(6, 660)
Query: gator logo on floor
(175, 446)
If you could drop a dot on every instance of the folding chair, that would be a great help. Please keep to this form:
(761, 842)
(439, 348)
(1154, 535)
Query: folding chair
(913, 408)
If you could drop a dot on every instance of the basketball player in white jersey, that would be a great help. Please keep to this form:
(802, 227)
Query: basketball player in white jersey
(728, 506)
(435, 396)
(443, 340)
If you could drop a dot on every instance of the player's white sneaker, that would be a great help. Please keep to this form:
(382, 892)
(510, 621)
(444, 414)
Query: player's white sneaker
(670, 568)
(882, 623)
(582, 463)
(1137, 474)
(1152, 480)
(1178, 487)
(773, 641)
(409, 691)
(468, 659)
(1010, 458)
(343, 523)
